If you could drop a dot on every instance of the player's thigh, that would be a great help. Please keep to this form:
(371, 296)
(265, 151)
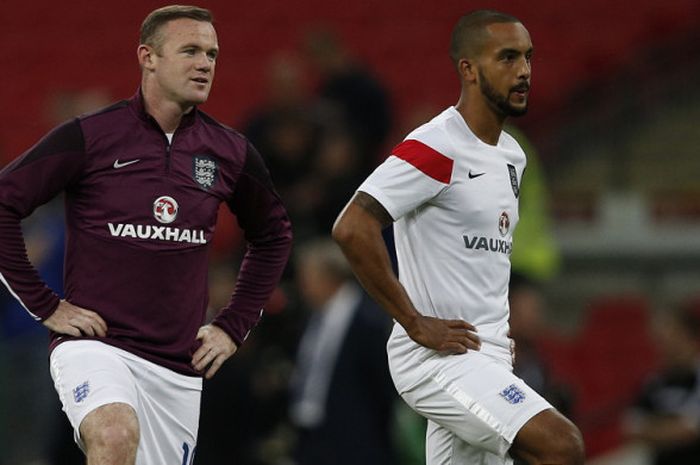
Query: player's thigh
(549, 437)
(475, 397)
(169, 405)
(88, 375)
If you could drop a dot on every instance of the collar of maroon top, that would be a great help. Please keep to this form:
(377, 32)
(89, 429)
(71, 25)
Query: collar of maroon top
(136, 103)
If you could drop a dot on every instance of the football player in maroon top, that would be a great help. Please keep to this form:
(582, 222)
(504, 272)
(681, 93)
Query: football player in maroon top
(143, 180)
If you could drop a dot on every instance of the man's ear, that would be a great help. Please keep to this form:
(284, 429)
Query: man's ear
(146, 55)
(467, 70)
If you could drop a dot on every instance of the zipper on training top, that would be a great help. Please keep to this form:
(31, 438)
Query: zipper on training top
(168, 146)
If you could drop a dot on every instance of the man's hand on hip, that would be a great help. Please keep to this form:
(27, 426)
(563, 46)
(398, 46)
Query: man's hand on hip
(216, 348)
(76, 321)
(445, 336)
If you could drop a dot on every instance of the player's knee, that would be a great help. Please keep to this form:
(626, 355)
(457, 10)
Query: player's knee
(113, 427)
(115, 437)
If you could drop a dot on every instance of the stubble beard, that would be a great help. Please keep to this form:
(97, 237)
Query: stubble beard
(498, 101)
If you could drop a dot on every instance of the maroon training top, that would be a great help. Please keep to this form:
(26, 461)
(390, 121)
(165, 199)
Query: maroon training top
(140, 215)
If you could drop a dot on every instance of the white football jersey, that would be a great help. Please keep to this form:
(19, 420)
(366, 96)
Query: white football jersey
(454, 200)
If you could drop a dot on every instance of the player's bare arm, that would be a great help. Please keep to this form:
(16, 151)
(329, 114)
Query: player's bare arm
(216, 348)
(374, 208)
(358, 231)
(76, 321)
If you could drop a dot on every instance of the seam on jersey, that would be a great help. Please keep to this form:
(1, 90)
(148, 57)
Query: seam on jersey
(7, 285)
(58, 148)
(28, 163)
(468, 403)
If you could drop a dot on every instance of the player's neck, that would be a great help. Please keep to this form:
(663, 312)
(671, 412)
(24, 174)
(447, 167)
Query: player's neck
(166, 112)
(483, 121)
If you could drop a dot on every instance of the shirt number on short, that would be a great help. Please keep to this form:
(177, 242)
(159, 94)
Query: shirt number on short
(187, 459)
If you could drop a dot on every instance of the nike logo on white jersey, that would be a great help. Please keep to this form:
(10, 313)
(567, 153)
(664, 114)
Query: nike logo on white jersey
(118, 165)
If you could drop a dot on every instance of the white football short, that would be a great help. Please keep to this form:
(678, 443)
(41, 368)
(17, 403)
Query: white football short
(89, 374)
(474, 404)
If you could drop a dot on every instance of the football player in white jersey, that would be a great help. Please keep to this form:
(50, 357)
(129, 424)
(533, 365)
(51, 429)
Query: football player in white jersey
(451, 190)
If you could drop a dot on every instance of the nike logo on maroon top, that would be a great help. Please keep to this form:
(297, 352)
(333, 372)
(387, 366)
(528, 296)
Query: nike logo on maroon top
(118, 165)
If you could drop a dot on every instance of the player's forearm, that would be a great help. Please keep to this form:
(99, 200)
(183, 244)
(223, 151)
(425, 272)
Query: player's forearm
(359, 236)
(259, 274)
(18, 274)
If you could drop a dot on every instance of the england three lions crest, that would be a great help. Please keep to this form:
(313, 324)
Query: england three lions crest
(204, 170)
(514, 180)
(513, 394)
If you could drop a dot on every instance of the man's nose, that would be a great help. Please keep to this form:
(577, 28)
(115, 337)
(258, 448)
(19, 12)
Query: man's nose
(525, 68)
(203, 62)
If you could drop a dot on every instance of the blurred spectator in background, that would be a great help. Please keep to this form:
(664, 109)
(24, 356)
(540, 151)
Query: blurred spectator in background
(527, 327)
(319, 147)
(342, 394)
(351, 93)
(286, 132)
(66, 104)
(334, 175)
(666, 417)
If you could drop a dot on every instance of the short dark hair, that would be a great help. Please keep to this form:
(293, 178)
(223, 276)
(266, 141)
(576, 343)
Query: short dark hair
(468, 35)
(157, 18)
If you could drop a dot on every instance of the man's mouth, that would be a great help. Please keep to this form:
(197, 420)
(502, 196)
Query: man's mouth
(201, 80)
(521, 89)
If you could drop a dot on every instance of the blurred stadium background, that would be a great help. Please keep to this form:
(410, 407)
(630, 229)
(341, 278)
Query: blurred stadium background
(612, 122)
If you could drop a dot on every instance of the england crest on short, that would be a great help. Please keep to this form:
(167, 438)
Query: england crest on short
(204, 170)
(81, 391)
(513, 394)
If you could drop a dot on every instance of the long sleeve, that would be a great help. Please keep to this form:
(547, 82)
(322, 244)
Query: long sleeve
(269, 235)
(28, 182)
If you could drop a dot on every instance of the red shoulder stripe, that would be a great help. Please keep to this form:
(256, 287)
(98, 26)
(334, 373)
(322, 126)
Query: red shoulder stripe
(426, 159)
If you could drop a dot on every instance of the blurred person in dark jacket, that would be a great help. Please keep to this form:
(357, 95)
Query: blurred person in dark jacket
(350, 93)
(342, 394)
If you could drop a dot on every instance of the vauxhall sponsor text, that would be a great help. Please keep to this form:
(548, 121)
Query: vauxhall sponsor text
(488, 244)
(162, 233)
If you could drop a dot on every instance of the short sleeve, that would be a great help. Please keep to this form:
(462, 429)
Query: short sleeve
(414, 174)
